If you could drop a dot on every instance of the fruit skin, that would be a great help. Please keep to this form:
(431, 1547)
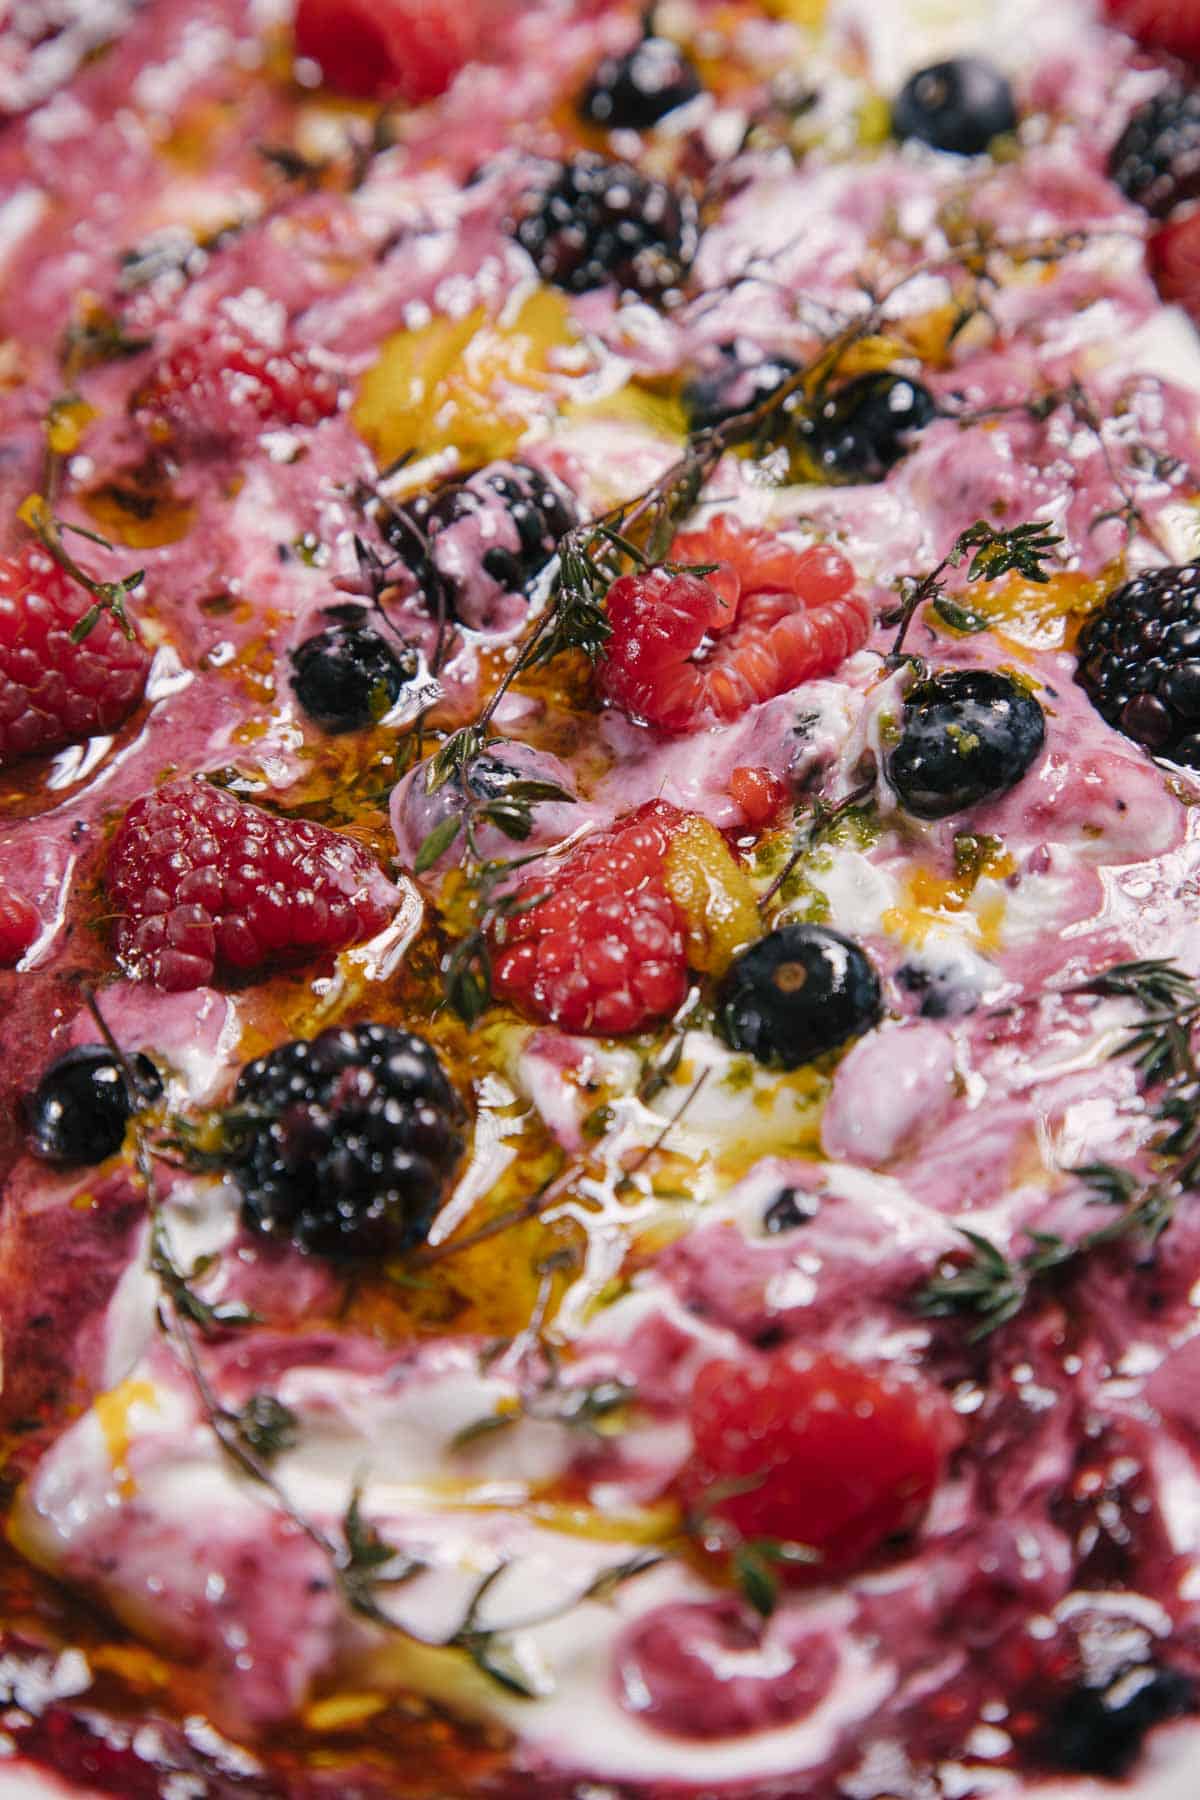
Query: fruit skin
(968, 735)
(54, 692)
(686, 650)
(20, 923)
(759, 792)
(865, 428)
(842, 1457)
(343, 1145)
(1101, 1730)
(738, 381)
(598, 222)
(633, 92)
(388, 49)
(1171, 25)
(1156, 159)
(201, 882)
(959, 106)
(80, 1108)
(1174, 257)
(220, 389)
(798, 993)
(349, 675)
(604, 951)
(1139, 662)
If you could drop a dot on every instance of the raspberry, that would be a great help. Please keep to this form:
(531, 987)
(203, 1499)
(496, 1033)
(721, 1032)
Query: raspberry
(221, 389)
(1156, 159)
(54, 692)
(1174, 253)
(603, 950)
(389, 49)
(760, 794)
(1139, 662)
(598, 222)
(1171, 25)
(836, 1457)
(19, 925)
(201, 882)
(686, 651)
(347, 1141)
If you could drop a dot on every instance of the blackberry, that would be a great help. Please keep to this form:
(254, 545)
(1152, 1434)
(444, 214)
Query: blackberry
(797, 993)
(80, 1108)
(1101, 1730)
(958, 106)
(349, 675)
(1139, 662)
(489, 536)
(633, 92)
(968, 735)
(343, 1145)
(736, 382)
(863, 430)
(597, 222)
(1156, 159)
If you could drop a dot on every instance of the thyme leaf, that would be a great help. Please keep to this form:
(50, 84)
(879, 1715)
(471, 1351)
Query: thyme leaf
(993, 552)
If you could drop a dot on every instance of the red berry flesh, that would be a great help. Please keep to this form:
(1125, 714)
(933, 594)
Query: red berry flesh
(201, 882)
(834, 1456)
(388, 49)
(687, 650)
(1171, 25)
(19, 925)
(221, 389)
(604, 950)
(761, 795)
(54, 692)
(1174, 253)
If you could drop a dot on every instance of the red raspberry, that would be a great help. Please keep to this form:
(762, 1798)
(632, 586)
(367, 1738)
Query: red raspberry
(222, 388)
(760, 794)
(1171, 25)
(838, 1457)
(687, 651)
(54, 692)
(604, 950)
(1174, 252)
(19, 925)
(200, 881)
(389, 49)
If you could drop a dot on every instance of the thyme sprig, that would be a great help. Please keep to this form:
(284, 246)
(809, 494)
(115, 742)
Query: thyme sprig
(109, 596)
(994, 551)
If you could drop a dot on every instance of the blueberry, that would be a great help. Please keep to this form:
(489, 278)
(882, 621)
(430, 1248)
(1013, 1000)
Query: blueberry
(862, 430)
(960, 106)
(734, 384)
(79, 1110)
(1100, 1731)
(634, 91)
(797, 993)
(968, 735)
(349, 674)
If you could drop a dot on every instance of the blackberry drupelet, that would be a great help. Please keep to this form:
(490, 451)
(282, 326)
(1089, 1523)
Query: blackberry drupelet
(349, 675)
(596, 222)
(796, 994)
(633, 92)
(1139, 662)
(343, 1145)
(863, 430)
(1156, 159)
(958, 106)
(968, 735)
(78, 1112)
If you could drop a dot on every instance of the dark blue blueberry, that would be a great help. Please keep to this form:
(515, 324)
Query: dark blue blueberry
(862, 430)
(633, 92)
(79, 1111)
(350, 674)
(739, 378)
(968, 735)
(1101, 1730)
(799, 992)
(959, 105)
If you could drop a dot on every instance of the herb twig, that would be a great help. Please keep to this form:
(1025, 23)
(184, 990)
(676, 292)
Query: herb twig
(994, 552)
(109, 596)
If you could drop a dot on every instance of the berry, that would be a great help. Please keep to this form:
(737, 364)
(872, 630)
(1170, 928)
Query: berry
(221, 388)
(201, 881)
(1156, 159)
(738, 381)
(489, 536)
(1139, 660)
(838, 1457)
(1174, 255)
(959, 106)
(864, 429)
(686, 650)
(19, 926)
(760, 794)
(343, 1145)
(799, 992)
(603, 951)
(79, 1110)
(597, 222)
(1101, 1730)
(349, 675)
(54, 692)
(389, 49)
(1171, 25)
(633, 92)
(968, 735)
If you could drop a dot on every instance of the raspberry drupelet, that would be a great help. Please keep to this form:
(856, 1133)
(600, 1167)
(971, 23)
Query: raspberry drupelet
(202, 883)
(596, 943)
(687, 651)
(218, 389)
